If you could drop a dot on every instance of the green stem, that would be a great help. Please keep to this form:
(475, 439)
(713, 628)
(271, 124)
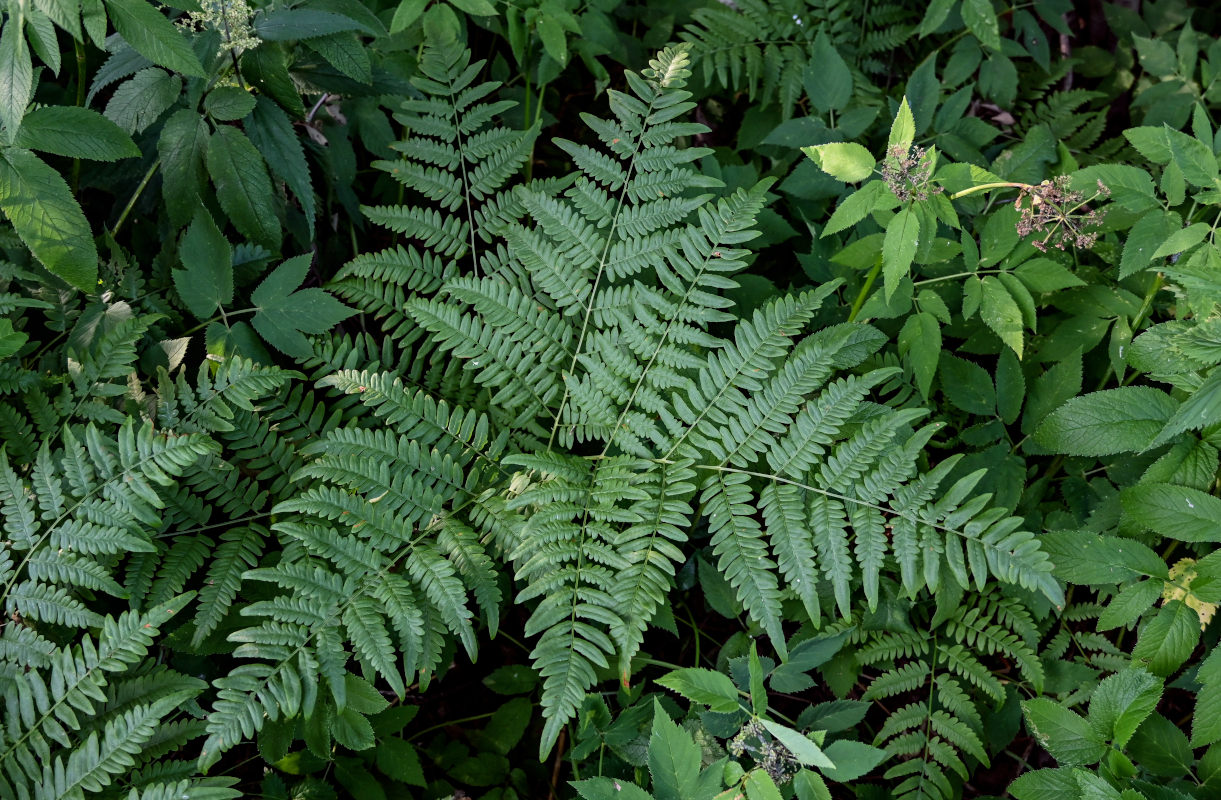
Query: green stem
(80, 102)
(860, 297)
(985, 186)
(148, 176)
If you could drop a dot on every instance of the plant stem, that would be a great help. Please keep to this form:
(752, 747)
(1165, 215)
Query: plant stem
(148, 176)
(985, 186)
(860, 297)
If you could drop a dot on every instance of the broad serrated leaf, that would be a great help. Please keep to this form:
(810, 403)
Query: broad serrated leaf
(980, 18)
(140, 101)
(182, 147)
(153, 36)
(1001, 313)
(845, 161)
(75, 133)
(899, 247)
(1178, 512)
(39, 204)
(286, 312)
(16, 75)
(205, 283)
(1063, 733)
(242, 185)
(703, 686)
(271, 131)
(1107, 422)
(1167, 640)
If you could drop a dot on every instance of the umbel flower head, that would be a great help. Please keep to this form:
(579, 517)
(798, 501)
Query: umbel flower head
(908, 171)
(1062, 215)
(230, 18)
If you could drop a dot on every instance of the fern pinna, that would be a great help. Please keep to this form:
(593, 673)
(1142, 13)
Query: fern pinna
(599, 412)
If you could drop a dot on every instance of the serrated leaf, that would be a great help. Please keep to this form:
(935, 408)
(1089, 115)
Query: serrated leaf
(1092, 559)
(845, 161)
(153, 36)
(228, 103)
(1200, 410)
(828, 80)
(1107, 422)
(1182, 240)
(272, 133)
(16, 75)
(980, 19)
(920, 343)
(1206, 722)
(291, 24)
(703, 686)
(10, 340)
(181, 146)
(205, 284)
(903, 129)
(1179, 512)
(851, 759)
(242, 185)
(286, 312)
(75, 133)
(39, 204)
(1001, 313)
(140, 101)
(799, 745)
(1064, 734)
(1167, 640)
(1045, 275)
(1145, 239)
(899, 248)
(674, 759)
(1122, 702)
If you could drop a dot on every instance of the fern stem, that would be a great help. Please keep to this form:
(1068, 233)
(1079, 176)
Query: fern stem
(864, 292)
(449, 722)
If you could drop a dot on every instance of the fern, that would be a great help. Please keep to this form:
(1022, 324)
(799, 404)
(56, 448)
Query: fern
(942, 676)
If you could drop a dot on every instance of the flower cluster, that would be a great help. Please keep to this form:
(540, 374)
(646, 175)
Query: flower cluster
(1061, 214)
(772, 757)
(230, 18)
(909, 172)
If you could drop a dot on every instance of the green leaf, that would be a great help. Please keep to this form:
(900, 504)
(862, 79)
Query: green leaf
(920, 343)
(286, 312)
(1092, 559)
(903, 129)
(967, 385)
(1045, 275)
(1122, 702)
(858, 205)
(291, 24)
(182, 145)
(1200, 410)
(206, 282)
(242, 185)
(1162, 749)
(272, 133)
(1182, 240)
(228, 103)
(16, 75)
(1067, 736)
(1146, 238)
(760, 786)
(712, 689)
(1010, 387)
(1179, 512)
(1167, 640)
(555, 40)
(1045, 784)
(480, 8)
(153, 36)
(1195, 158)
(48, 219)
(851, 759)
(828, 80)
(408, 11)
(346, 53)
(1001, 313)
(141, 101)
(1206, 722)
(609, 789)
(810, 786)
(75, 133)
(758, 695)
(800, 746)
(511, 679)
(674, 758)
(1107, 422)
(980, 19)
(845, 161)
(1128, 606)
(10, 340)
(899, 247)
(266, 68)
